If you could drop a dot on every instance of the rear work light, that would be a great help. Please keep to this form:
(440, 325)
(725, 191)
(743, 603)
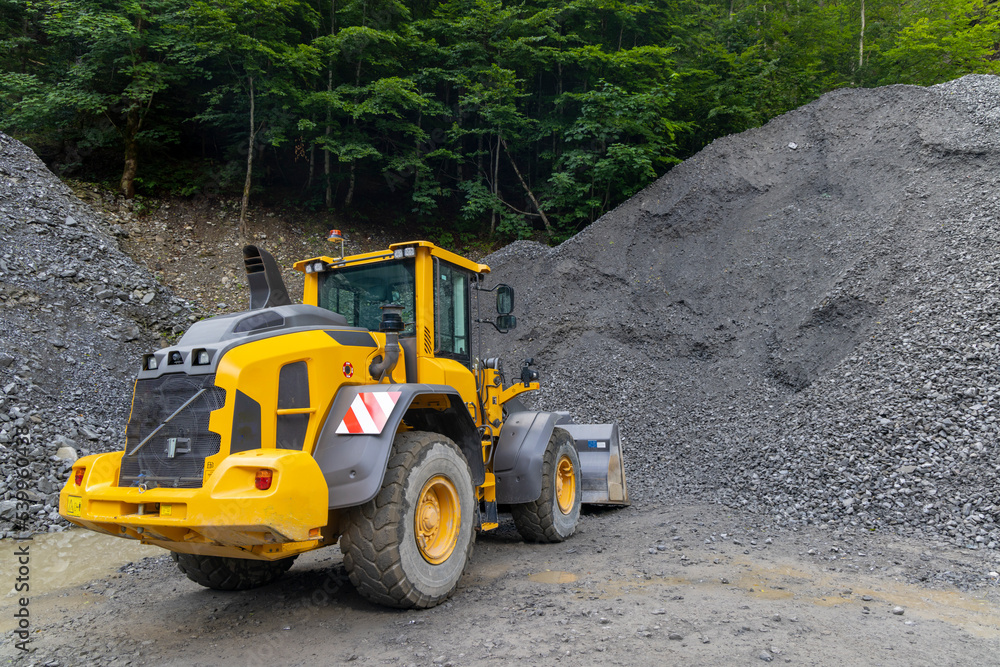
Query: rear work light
(262, 480)
(78, 477)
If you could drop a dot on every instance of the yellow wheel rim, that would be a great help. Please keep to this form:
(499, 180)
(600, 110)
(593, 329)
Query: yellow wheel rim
(437, 519)
(565, 485)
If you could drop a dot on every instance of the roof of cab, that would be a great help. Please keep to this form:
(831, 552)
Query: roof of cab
(435, 251)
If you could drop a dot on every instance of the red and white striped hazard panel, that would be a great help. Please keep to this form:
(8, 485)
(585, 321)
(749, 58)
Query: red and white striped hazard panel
(369, 413)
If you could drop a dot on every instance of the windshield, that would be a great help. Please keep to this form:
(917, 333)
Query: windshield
(359, 292)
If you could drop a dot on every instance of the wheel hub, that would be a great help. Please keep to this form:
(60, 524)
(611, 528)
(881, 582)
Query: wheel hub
(565, 485)
(437, 519)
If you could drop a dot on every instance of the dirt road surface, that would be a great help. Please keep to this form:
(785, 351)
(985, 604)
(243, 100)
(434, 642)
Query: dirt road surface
(693, 585)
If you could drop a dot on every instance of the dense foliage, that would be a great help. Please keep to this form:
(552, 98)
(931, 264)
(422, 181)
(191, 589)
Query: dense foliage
(465, 116)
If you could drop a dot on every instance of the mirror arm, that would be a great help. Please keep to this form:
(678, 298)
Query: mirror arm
(493, 324)
(505, 289)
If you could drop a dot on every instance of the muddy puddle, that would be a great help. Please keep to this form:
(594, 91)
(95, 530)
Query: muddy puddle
(828, 590)
(553, 577)
(801, 586)
(70, 558)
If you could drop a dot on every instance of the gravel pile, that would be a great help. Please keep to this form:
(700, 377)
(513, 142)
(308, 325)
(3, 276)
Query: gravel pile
(75, 316)
(802, 320)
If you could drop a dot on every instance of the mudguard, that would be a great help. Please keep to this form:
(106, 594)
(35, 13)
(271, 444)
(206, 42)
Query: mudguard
(354, 444)
(517, 462)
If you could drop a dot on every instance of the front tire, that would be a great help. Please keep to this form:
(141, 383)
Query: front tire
(409, 546)
(553, 517)
(230, 574)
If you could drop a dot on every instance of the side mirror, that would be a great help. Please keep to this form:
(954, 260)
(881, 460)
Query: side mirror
(505, 300)
(505, 323)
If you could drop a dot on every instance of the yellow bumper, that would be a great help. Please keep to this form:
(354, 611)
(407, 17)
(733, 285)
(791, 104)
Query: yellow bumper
(228, 516)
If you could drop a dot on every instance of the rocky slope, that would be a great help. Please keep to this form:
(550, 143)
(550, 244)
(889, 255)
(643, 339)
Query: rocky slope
(76, 314)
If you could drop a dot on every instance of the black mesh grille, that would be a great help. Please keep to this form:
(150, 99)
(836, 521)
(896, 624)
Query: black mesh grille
(175, 455)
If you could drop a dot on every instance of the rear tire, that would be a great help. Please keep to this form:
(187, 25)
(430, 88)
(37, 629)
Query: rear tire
(231, 574)
(553, 517)
(409, 546)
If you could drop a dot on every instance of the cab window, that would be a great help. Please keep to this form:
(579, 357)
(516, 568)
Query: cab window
(359, 292)
(451, 312)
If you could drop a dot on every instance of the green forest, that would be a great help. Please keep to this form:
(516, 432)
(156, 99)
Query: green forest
(471, 117)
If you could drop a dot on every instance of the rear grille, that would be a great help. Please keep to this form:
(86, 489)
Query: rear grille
(175, 455)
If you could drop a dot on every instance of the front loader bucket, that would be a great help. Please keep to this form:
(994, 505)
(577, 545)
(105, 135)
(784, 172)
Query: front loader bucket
(602, 466)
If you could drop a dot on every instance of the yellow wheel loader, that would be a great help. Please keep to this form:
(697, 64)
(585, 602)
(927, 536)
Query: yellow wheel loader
(360, 415)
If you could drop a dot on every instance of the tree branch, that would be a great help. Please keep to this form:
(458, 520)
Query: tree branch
(531, 195)
(519, 212)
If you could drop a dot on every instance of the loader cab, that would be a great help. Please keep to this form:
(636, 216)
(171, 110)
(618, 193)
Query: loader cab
(433, 285)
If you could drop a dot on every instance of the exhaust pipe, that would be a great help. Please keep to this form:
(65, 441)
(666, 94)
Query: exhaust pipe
(391, 325)
(267, 289)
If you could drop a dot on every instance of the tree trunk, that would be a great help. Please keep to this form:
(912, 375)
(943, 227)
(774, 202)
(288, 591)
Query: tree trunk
(479, 156)
(350, 180)
(861, 42)
(350, 187)
(244, 232)
(329, 122)
(460, 162)
(312, 167)
(496, 186)
(326, 164)
(133, 121)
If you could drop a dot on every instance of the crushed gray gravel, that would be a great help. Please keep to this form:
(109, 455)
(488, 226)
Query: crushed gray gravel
(75, 316)
(802, 320)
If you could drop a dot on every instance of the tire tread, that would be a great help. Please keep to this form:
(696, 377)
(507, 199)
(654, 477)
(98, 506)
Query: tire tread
(371, 539)
(230, 574)
(536, 521)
